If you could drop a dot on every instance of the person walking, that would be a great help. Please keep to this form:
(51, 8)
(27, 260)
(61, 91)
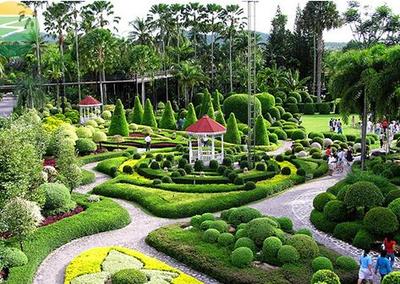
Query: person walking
(390, 247)
(365, 272)
(147, 139)
(383, 265)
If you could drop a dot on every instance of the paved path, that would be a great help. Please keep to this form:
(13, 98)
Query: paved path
(132, 236)
(7, 105)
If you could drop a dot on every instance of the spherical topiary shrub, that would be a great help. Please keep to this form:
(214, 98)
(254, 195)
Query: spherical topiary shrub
(321, 262)
(298, 135)
(261, 166)
(127, 169)
(285, 223)
(319, 220)
(335, 211)
(13, 257)
(259, 229)
(346, 263)
(220, 225)
(392, 278)
(157, 181)
(286, 171)
(57, 195)
(325, 276)
(196, 221)
(391, 196)
(167, 164)
(213, 164)
(267, 102)
(395, 207)
(155, 165)
(347, 231)
(166, 179)
(381, 221)
(288, 254)
(205, 225)
(301, 172)
(304, 231)
(242, 257)
(249, 185)
(188, 168)
(226, 239)
(270, 248)
(211, 236)
(207, 216)
(322, 199)
(305, 245)
(85, 146)
(226, 213)
(238, 181)
(279, 158)
(363, 194)
(198, 165)
(240, 233)
(129, 276)
(245, 242)
(363, 239)
(243, 215)
(235, 105)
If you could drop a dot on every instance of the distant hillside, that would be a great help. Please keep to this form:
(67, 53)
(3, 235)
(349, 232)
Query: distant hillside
(335, 45)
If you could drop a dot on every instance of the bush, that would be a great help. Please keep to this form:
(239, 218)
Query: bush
(259, 229)
(243, 215)
(240, 233)
(285, 171)
(324, 108)
(238, 180)
(249, 185)
(226, 239)
(166, 179)
(213, 164)
(288, 254)
(285, 224)
(301, 172)
(167, 164)
(304, 231)
(127, 169)
(346, 263)
(267, 102)
(292, 108)
(270, 248)
(309, 108)
(232, 134)
(175, 174)
(395, 207)
(351, 137)
(322, 199)
(168, 117)
(346, 231)
(148, 115)
(242, 257)
(363, 239)
(320, 263)
(392, 278)
(85, 146)
(157, 181)
(275, 113)
(118, 125)
(287, 116)
(12, 257)
(279, 158)
(57, 196)
(155, 165)
(298, 135)
(211, 235)
(273, 138)
(198, 166)
(245, 242)
(279, 132)
(196, 221)
(326, 277)
(261, 167)
(335, 211)
(319, 220)
(188, 168)
(129, 276)
(234, 104)
(261, 133)
(363, 194)
(305, 245)
(220, 225)
(381, 221)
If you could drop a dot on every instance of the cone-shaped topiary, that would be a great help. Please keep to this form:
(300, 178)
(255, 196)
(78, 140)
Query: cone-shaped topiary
(118, 125)
(137, 113)
(232, 134)
(168, 117)
(216, 100)
(190, 117)
(206, 103)
(261, 132)
(210, 112)
(219, 117)
(148, 115)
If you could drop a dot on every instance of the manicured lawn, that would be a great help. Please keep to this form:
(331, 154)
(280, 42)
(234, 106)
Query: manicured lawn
(320, 123)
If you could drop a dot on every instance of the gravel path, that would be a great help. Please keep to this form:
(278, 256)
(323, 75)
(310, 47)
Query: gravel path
(132, 236)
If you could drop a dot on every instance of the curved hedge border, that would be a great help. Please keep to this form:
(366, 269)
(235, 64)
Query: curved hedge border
(95, 256)
(101, 216)
(107, 155)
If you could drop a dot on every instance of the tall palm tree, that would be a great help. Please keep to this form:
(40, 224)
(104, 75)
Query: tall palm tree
(99, 14)
(233, 20)
(141, 32)
(34, 24)
(189, 75)
(3, 62)
(193, 14)
(57, 19)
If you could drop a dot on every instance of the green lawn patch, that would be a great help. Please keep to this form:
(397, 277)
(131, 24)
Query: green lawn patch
(320, 123)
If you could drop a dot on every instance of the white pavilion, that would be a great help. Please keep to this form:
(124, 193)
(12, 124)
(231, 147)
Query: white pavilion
(89, 108)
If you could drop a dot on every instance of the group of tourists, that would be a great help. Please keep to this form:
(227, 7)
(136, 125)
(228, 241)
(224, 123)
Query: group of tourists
(335, 125)
(384, 263)
(340, 160)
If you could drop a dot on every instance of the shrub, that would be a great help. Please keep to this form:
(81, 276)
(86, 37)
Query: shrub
(346, 263)
(395, 207)
(12, 257)
(304, 231)
(85, 146)
(285, 224)
(287, 116)
(267, 102)
(167, 164)
(157, 181)
(261, 133)
(243, 215)
(129, 276)
(291, 100)
(339, 137)
(57, 195)
(305, 245)
(325, 276)
(226, 239)
(298, 135)
(392, 278)
(190, 117)
(118, 125)
(175, 174)
(275, 113)
(166, 179)
(155, 165)
(351, 137)
(226, 213)
(182, 162)
(137, 114)
(242, 257)
(324, 108)
(292, 108)
(319, 220)
(188, 168)
(220, 225)
(249, 185)
(196, 221)
(288, 254)
(301, 172)
(240, 233)
(347, 231)
(127, 169)
(168, 117)
(159, 157)
(84, 132)
(259, 229)
(335, 211)
(227, 162)
(211, 235)
(148, 115)
(279, 158)
(322, 199)
(245, 242)
(320, 263)
(363, 239)
(261, 167)
(213, 164)
(279, 132)
(381, 221)
(270, 248)
(198, 166)
(286, 171)
(363, 194)
(238, 180)
(313, 135)
(234, 104)
(309, 108)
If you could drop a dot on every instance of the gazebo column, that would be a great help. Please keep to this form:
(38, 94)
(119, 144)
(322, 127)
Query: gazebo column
(190, 149)
(212, 148)
(80, 115)
(222, 147)
(199, 153)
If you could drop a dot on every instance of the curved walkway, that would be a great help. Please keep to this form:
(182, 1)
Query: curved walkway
(132, 236)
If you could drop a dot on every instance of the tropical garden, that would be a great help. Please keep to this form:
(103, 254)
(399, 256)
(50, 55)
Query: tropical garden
(162, 157)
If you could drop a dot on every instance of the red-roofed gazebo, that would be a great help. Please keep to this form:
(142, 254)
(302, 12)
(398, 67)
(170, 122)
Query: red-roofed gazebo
(204, 128)
(89, 108)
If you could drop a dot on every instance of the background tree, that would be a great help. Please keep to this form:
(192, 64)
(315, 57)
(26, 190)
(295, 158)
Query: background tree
(141, 32)
(99, 14)
(189, 75)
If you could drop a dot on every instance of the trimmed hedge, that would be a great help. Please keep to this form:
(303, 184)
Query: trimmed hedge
(320, 222)
(322, 199)
(118, 125)
(326, 277)
(346, 263)
(242, 257)
(234, 104)
(347, 231)
(305, 245)
(381, 221)
(288, 254)
(110, 166)
(320, 263)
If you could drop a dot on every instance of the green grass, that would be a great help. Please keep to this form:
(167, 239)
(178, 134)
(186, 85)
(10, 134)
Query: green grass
(4, 31)
(6, 20)
(110, 166)
(101, 216)
(87, 177)
(320, 123)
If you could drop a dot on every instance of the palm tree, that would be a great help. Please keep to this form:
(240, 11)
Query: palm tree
(193, 14)
(29, 93)
(3, 62)
(99, 14)
(34, 24)
(141, 32)
(57, 19)
(51, 63)
(232, 19)
(189, 75)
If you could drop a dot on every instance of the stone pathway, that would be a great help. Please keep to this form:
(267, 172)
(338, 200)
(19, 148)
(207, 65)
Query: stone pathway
(7, 105)
(132, 236)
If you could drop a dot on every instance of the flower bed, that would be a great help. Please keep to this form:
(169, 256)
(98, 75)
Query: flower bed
(103, 263)
(52, 219)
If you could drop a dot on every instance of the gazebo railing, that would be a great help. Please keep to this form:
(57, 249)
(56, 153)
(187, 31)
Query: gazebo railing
(206, 156)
